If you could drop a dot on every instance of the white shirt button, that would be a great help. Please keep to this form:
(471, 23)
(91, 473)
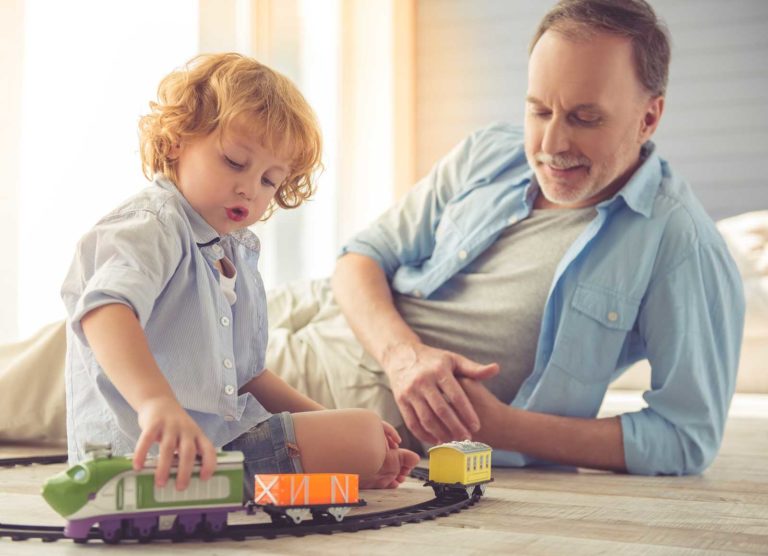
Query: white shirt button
(417, 293)
(229, 418)
(224, 321)
(512, 220)
(217, 249)
(228, 363)
(229, 389)
(462, 254)
(613, 316)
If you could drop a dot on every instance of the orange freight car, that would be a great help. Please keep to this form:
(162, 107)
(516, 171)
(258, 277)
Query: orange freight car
(299, 495)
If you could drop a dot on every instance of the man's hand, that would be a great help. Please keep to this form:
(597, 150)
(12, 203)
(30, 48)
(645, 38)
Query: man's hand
(164, 421)
(424, 383)
(490, 410)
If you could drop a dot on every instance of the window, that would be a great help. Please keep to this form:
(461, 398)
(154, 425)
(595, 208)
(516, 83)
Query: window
(89, 70)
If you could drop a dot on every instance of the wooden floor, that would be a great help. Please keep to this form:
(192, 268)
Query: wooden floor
(723, 511)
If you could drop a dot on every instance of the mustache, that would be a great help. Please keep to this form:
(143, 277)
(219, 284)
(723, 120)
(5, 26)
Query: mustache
(562, 161)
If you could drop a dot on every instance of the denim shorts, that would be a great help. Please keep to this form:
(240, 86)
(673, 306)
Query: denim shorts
(269, 447)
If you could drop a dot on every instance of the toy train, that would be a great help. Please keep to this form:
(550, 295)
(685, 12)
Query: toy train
(104, 489)
(459, 467)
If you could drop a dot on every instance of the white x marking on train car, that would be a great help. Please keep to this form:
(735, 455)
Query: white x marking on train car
(266, 489)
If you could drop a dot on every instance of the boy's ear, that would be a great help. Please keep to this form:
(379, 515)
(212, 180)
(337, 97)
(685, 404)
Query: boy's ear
(173, 154)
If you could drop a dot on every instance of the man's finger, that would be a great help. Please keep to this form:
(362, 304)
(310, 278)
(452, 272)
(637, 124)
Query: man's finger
(414, 424)
(444, 410)
(430, 422)
(458, 398)
(467, 367)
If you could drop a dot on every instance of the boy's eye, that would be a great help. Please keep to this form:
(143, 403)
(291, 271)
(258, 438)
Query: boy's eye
(266, 181)
(235, 165)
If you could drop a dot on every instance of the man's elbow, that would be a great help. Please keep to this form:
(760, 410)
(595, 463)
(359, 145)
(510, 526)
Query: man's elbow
(680, 450)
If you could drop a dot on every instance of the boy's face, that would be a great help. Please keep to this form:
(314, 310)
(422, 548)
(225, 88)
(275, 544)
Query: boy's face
(228, 177)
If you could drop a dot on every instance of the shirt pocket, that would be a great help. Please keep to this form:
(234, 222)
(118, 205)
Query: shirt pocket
(593, 332)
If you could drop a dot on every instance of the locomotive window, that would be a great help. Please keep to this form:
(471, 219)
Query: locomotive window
(467, 464)
(79, 474)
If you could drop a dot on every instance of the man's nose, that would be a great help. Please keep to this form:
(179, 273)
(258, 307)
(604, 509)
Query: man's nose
(556, 137)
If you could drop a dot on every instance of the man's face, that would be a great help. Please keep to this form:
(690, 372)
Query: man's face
(587, 116)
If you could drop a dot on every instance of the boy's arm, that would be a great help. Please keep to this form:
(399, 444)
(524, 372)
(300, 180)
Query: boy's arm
(276, 395)
(121, 348)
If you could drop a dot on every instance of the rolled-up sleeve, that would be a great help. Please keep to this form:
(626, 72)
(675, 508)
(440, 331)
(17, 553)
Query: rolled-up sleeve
(692, 321)
(127, 259)
(405, 234)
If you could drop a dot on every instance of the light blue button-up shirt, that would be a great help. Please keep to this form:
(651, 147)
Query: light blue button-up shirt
(156, 254)
(649, 278)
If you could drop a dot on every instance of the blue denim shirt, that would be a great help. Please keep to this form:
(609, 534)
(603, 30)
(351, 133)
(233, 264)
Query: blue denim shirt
(156, 254)
(649, 278)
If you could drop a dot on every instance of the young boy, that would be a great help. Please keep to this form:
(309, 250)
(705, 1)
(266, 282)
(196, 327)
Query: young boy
(167, 311)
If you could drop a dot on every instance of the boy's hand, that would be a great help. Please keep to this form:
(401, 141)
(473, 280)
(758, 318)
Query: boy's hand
(164, 421)
(390, 432)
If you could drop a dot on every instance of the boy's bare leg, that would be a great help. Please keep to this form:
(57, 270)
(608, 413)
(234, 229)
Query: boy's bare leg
(351, 441)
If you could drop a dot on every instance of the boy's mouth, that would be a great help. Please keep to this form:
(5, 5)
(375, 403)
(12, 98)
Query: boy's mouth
(237, 214)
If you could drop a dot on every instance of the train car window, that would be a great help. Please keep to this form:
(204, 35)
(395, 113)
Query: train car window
(467, 464)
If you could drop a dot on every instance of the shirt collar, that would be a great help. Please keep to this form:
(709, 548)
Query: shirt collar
(202, 232)
(640, 191)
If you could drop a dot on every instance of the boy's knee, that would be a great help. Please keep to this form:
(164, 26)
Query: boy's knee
(367, 420)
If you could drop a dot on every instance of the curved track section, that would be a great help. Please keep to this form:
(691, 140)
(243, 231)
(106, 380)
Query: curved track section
(430, 509)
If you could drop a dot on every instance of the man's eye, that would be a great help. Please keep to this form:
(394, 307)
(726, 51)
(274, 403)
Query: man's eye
(540, 114)
(587, 119)
(235, 165)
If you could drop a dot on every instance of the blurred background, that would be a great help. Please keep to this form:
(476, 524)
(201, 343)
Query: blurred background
(395, 83)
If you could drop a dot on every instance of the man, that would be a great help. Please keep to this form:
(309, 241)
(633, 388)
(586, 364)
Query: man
(502, 295)
(559, 257)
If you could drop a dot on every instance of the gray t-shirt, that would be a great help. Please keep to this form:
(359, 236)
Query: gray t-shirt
(491, 311)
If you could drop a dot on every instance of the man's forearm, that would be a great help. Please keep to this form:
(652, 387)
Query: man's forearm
(593, 443)
(361, 289)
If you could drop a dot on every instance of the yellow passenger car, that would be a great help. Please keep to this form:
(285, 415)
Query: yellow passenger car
(461, 464)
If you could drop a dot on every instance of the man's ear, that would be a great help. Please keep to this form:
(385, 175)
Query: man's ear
(651, 118)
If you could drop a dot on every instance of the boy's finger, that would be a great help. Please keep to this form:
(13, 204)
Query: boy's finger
(164, 459)
(208, 453)
(142, 449)
(187, 451)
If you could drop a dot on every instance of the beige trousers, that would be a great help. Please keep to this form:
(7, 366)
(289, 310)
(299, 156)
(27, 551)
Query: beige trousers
(310, 346)
(32, 406)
